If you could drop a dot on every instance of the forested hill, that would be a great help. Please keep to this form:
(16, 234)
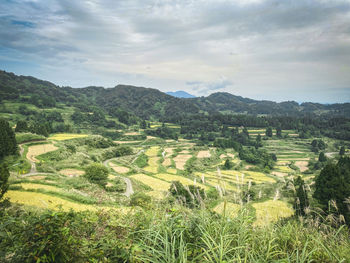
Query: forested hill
(147, 102)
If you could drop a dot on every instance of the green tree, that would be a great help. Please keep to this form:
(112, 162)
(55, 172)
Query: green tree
(301, 200)
(333, 183)
(21, 126)
(279, 132)
(342, 151)
(268, 132)
(8, 144)
(228, 164)
(322, 157)
(97, 173)
(4, 176)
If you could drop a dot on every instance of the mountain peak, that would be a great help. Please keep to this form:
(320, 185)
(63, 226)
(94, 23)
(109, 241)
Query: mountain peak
(180, 94)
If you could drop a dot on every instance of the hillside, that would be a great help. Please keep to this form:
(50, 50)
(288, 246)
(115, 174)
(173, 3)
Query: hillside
(180, 94)
(151, 103)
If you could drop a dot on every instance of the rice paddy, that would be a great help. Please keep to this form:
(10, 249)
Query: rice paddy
(181, 179)
(30, 186)
(203, 154)
(119, 169)
(271, 211)
(180, 160)
(71, 172)
(152, 165)
(39, 149)
(230, 209)
(66, 136)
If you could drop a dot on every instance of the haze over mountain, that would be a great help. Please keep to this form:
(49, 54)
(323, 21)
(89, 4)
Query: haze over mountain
(148, 103)
(180, 94)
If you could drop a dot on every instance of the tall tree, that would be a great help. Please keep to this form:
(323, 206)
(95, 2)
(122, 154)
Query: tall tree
(4, 176)
(342, 151)
(268, 132)
(322, 157)
(8, 144)
(21, 126)
(301, 198)
(333, 183)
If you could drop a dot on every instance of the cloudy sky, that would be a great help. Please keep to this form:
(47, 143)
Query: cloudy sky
(275, 49)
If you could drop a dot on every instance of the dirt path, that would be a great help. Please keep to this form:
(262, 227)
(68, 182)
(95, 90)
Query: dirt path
(33, 170)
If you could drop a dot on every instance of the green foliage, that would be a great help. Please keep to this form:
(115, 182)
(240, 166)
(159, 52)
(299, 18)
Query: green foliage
(141, 199)
(322, 157)
(21, 126)
(260, 157)
(268, 132)
(301, 199)
(228, 164)
(97, 173)
(141, 161)
(27, 137)
(8, 144)
(342, 151)
(4, 176)
(333, 183)
(190, 196)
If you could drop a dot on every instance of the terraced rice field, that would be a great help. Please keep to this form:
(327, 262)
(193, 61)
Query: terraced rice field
(180, 160)
(46, 201)
(271, 211)
(284, 169)
(171, 171)
(203, 154)
(152, 165)
(159, 186)
(39, 149)
(119, 169)
(181, 179)
(66, 136)
(302, 165)
(30, 186)
(231, 209)
(153, 151)
(71, 172)
(166, 162)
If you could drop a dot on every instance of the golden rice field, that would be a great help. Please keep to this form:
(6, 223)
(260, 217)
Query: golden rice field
(284, 169)
(203, 154)
(181, 179)
(257, 177)
(171, 171)
(46, 201)
(71, 172)
(302, 165)
(37, 177)
(222, 183)
(66, 136)
(154, 183)
(181, 160)
(230, 209)
(30, 186)
(153, 151)
(119, 169)
(166, 162)
(271, 211)
(152, 165)
(39, 149)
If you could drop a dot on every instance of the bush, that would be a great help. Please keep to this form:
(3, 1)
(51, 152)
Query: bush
(97, 173)
(140, 199)
(4, 176)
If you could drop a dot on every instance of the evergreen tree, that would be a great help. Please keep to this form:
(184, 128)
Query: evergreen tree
(342, 151)
(4, 176)
(8, 144)
(279, 132)
(333, 183)
(268, 132)
(21, 126)
(301, 199)
(322, 157)
(227, 165)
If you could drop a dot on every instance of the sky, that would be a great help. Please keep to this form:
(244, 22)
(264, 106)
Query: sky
(273, 50)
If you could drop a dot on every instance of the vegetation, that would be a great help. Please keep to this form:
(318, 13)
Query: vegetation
(130, 174)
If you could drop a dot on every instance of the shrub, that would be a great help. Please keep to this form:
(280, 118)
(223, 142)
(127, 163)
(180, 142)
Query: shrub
(97, 173)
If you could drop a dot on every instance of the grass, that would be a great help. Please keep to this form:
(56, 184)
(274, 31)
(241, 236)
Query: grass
(271, 211)
(66, 136)
(26, 137)
(230, 209)
(33, 186)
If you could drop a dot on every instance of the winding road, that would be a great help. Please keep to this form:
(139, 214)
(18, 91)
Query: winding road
(128, 192)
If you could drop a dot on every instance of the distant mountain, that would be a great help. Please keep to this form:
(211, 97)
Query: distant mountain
(180, 94)
(149, 103)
